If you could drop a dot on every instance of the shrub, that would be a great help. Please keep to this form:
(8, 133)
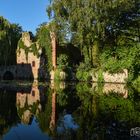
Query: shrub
(62, 61)
(83, 73)
(100, 76)
(136, 83)
(57, 75)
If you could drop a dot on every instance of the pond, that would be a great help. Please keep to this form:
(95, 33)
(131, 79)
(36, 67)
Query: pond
(69, 111)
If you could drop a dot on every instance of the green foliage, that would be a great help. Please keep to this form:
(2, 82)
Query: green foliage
(21, 44)
(9, 36)
(97, 28)
(83, 76)
(33, 48)
(100, 76)
(83, 72)
(62, 98)
(44, 117)
(64, 74)
(60, 75)
(57, 75)
(63, 61)
(95, 54)
(112, 65)
(44, 40)
(109, 103)
(121, 58)
(73, 53)
(136, 83)
(83, 88)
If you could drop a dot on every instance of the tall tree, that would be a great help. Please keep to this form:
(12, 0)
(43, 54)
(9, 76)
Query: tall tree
(90, 23)
(9, 36)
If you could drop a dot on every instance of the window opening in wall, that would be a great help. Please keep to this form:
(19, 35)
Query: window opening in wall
(33, 63)
(33, 93)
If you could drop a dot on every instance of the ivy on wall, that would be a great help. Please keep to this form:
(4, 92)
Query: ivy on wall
(33, 48)
(44, 40)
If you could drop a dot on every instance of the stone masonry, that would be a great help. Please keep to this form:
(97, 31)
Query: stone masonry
(28, 67)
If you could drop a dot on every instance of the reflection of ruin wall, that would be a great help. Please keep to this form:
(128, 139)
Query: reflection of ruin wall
(112, 78)
(110, 87)
(31, 98)
(117, 88)
(28, 99)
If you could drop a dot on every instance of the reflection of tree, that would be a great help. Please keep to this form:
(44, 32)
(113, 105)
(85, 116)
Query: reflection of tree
(49, 116)
(8, 112)
(100, 113)
(67, 99)
(96, 114)
(44, 116)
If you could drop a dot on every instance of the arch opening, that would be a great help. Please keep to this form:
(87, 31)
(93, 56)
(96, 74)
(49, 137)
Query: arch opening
(8, 76)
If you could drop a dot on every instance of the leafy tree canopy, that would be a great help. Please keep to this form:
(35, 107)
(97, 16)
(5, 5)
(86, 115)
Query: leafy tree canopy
(9, 36)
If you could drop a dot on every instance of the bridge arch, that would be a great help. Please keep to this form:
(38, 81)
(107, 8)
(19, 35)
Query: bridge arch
(8, 75)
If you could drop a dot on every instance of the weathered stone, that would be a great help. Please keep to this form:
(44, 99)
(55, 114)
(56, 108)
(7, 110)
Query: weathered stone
(62, 75)
(29, 63)
(112, 78)
(26, 39)
(116, 77)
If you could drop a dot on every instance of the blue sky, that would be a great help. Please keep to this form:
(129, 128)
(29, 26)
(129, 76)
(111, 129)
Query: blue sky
(27, 13)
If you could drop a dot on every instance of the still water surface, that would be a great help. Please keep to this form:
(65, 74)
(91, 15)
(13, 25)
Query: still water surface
(61, 111)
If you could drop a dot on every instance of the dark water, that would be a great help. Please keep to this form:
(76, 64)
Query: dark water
(71, 111)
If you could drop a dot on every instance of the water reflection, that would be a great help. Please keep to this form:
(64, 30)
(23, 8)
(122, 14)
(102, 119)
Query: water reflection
(26, 132)
(69, 111)
(28, 104)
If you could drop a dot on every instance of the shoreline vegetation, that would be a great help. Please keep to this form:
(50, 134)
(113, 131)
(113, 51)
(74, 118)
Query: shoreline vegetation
(92, 42)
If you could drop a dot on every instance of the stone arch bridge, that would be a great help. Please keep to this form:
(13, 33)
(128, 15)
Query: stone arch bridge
(19, 71)
(8, 72)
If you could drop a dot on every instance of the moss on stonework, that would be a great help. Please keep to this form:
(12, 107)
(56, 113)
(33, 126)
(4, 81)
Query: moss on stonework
(33, 48)
(21, 44)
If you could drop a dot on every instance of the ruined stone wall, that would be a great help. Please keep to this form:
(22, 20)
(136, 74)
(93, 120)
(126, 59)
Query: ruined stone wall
(111, 78)
(117, 77)
(30, 59)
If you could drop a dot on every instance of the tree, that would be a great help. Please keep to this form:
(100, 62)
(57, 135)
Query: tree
(89, 23)
(9, 36)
